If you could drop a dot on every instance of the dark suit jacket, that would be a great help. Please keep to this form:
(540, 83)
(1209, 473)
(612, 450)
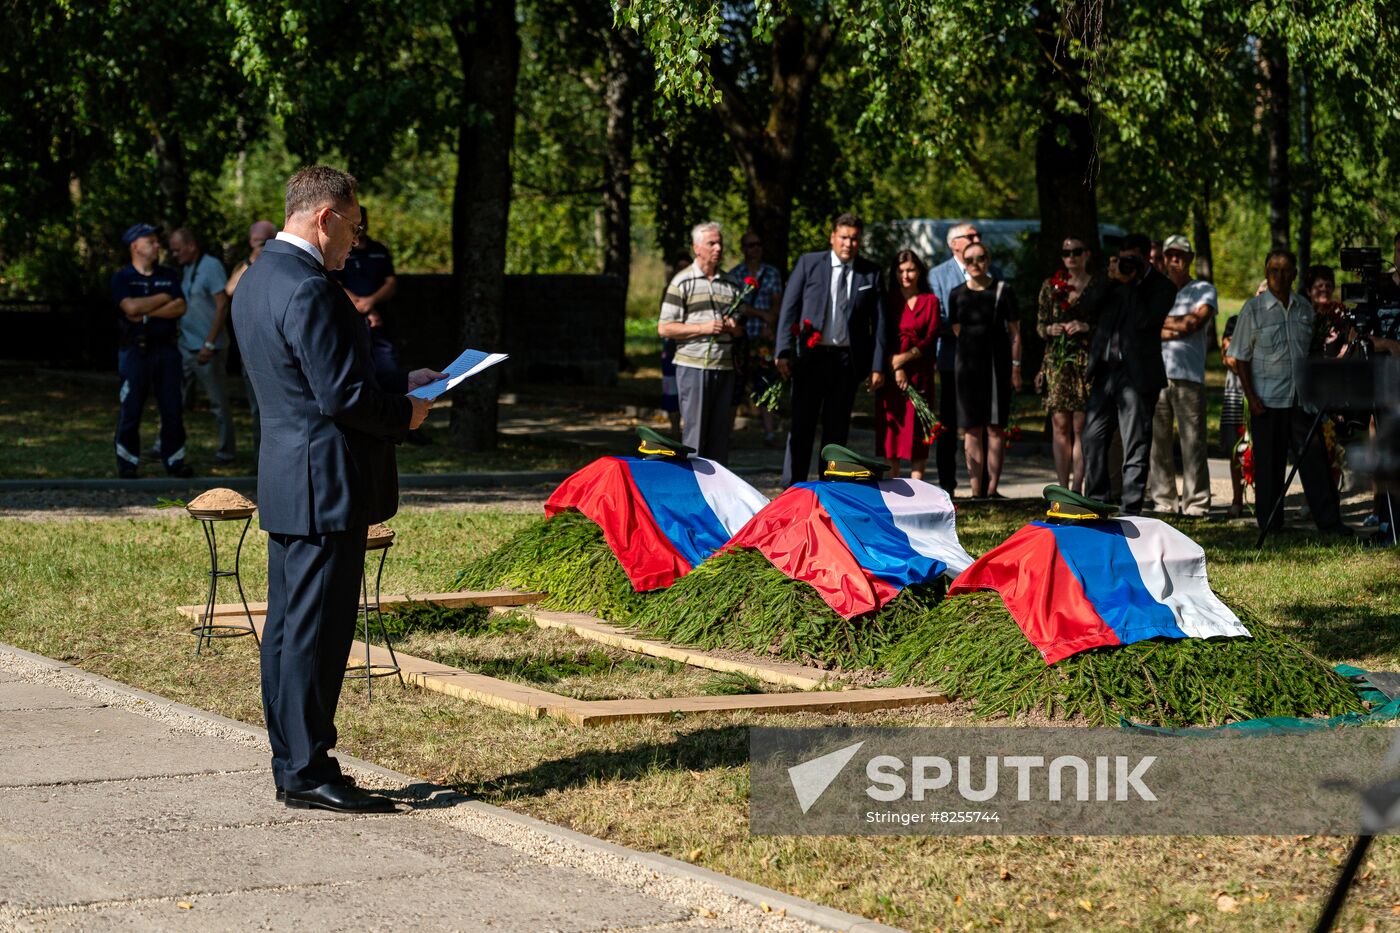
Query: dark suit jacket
(808, 297)
(1141, 308)
(328, 432)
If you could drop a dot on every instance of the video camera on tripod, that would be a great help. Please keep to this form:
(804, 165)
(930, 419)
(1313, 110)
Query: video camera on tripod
(1363, 299)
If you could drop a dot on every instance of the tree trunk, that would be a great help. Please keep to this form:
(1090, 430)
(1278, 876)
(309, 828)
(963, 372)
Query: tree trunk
(618, 97)
(1307, 184)
(488, 46)
(1273, 65)
(1066, 165)
(769, 146)
(172, 176)
(1200, 218)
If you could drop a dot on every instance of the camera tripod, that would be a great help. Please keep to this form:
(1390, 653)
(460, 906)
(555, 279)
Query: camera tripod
(1277, 512)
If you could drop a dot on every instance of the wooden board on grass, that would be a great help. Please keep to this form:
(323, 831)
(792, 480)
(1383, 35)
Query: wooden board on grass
(595, 629)
(460, 600)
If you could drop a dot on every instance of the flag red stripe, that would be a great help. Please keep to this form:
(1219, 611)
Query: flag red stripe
(1041, 592)
(605, 492)
(798, 537)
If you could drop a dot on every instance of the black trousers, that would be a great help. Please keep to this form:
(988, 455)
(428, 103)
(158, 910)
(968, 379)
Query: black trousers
(1276, 435)
(313, 595)
(823, 390)
(1115, 402)
(945, 448)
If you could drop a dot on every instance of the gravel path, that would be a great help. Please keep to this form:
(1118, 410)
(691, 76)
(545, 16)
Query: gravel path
(193, 768)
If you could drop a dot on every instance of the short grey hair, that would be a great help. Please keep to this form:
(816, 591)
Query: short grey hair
(699, 230)
(957, 230)
(318, 186)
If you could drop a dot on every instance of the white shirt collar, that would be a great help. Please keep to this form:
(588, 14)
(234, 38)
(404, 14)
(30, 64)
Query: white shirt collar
(298, 242)
(836, 262)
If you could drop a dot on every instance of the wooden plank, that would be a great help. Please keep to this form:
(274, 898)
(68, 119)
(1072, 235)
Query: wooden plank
(601, 712)
(595, 629)
(535, 703)
(455, 600)
(442, 678)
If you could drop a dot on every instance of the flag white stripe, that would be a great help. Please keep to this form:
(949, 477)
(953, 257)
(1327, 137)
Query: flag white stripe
(732, 500)
(925, 514)
(1173, 568)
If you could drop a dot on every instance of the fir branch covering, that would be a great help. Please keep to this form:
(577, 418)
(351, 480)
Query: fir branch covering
(971, 647)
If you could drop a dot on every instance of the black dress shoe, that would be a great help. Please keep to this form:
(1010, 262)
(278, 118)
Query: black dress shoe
(344, 779)
(339, 798)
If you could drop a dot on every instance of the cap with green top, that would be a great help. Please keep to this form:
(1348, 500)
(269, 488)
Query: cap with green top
(1069, 506)
(657, 446)
(844, 464)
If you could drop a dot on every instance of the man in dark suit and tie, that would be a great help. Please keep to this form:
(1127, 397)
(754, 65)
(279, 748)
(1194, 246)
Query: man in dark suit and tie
(831, 334)
(1126, 373)
(326, 472)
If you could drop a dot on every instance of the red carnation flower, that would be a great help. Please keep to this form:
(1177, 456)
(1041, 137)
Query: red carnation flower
(814, 338)
(750, 281)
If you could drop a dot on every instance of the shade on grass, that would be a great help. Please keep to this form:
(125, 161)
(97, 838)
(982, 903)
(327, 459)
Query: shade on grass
(967, 645)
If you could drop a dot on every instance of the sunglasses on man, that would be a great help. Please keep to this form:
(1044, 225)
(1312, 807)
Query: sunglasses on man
(1076, 252)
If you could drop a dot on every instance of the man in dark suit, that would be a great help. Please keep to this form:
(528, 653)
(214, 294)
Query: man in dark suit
(831, 335)
(326, 472)
(1126, 373)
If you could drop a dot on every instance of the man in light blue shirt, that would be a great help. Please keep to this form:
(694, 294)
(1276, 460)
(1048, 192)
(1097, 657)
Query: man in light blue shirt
(203, 334)
(1271, 343)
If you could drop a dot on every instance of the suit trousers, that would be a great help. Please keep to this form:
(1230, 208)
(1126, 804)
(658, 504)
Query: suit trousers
(313, 596)
(707, 410)
(1277, 434)
(1114, 402)
(213, 381)
(1186, 402)
(824, 385)
(946, 444)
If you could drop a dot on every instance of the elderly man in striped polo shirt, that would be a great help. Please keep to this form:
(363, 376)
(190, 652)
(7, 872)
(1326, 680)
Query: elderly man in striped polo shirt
(692, 314)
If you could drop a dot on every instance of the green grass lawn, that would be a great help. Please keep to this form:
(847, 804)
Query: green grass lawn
(100, 594)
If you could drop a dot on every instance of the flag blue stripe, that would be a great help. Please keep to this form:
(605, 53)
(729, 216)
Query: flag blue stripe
(859, 513)
(1098, 555)
(671, 491)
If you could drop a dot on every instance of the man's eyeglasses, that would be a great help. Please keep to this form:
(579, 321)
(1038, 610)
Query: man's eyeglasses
(355, 228)
(974, 236)
(750, 244)
(1076, 252)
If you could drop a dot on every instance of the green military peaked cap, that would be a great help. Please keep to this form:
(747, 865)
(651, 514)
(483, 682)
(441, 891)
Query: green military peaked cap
(657, 446)
(842, 463)
(1069, 506)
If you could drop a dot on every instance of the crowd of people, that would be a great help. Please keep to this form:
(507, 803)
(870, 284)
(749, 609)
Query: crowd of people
(1124, 366)
(175, 336)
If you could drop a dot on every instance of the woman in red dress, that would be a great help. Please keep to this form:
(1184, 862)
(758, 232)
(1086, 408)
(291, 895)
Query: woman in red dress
(913, 310)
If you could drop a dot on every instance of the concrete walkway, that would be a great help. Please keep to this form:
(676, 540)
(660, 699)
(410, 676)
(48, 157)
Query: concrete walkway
(122, 811)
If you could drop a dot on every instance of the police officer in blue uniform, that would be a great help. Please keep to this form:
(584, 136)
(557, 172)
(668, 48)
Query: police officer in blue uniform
(368, 278)
(149, 302)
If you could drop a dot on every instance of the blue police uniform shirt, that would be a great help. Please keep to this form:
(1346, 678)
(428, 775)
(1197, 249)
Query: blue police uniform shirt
(366, 269)
(128, 283)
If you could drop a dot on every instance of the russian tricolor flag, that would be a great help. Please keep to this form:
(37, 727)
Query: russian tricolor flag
(858, 544)
(661, 518)
(1111, 582)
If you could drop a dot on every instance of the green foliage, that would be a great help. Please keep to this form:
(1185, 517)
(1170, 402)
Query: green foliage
(738, 600)
(566, 557)
(971, 647)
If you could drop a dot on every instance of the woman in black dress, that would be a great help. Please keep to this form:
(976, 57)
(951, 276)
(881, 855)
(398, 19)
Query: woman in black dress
(987, 369)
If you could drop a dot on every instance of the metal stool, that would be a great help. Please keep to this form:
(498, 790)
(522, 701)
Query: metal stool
(207, 515)
(378, 539)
